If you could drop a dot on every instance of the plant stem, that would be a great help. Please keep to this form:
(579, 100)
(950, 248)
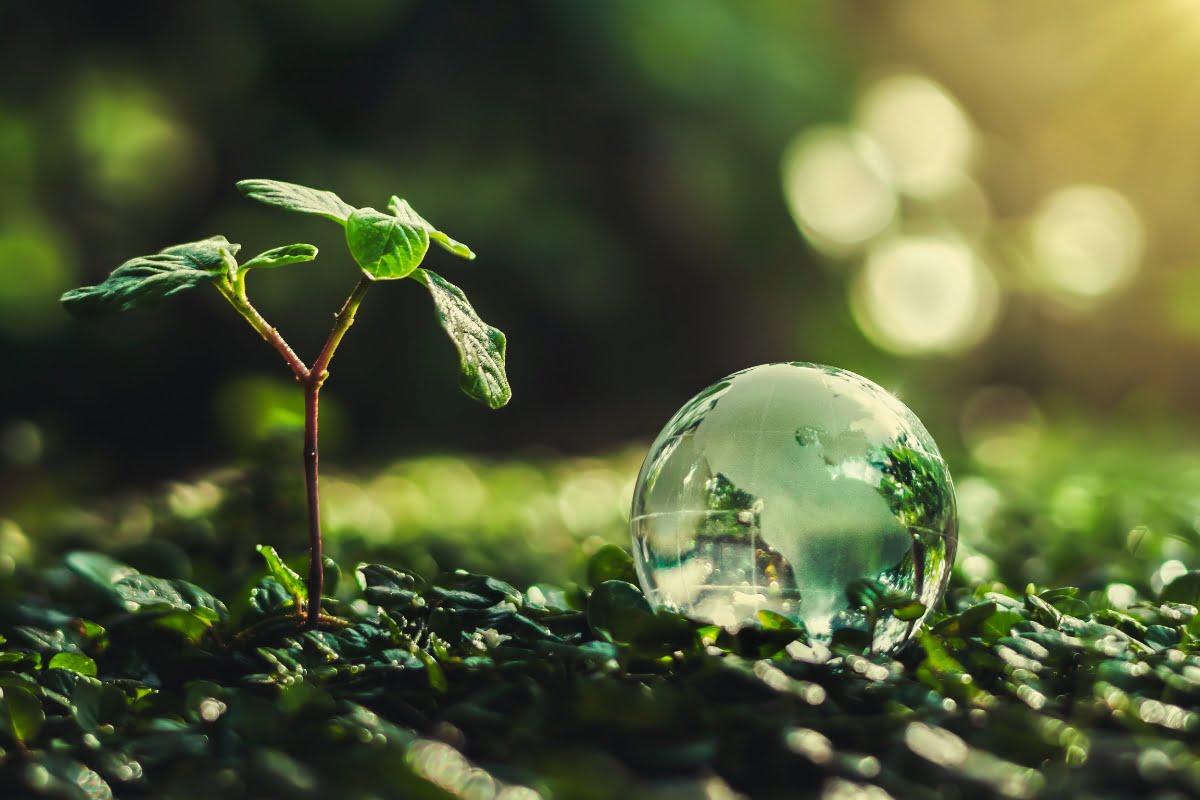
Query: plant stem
(312, 380)
(237, 298)
(316, 562)
(342, 323)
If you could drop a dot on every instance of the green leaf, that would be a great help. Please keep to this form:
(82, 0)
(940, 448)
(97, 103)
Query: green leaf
(287, 577)
(95, 704)
(908, 610)
(618, 610)
(175, 605)
(279, 256)
(1184, 589)
(23, 713)
(146, 280)
(75, 662)
(610, 563)
(97, 568)
(385, 247)
(294, 197)
(407, 214)
(480, 346)
(140, 592)
(772, 621)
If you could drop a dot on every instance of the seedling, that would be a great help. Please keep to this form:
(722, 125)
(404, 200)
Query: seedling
(386, 247)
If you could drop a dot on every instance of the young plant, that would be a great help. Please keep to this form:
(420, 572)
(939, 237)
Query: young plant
(386, 247)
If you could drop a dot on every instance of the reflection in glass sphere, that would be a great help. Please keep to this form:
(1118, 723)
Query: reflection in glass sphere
(783, 486)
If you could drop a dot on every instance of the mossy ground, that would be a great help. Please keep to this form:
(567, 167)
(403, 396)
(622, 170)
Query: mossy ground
(124, 678)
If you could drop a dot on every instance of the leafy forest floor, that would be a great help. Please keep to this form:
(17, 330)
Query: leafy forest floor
(149, 651)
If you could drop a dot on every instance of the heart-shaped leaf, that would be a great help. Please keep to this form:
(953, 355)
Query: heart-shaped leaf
(384, 246)
(480, 346)
(408, 215)
(294, 197)
(146, 280)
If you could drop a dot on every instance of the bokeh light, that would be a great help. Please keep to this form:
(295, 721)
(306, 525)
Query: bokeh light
(837, 186)
(133, 147)
(1087, 241)
(36, 266)
(924, 295)
(1001, 426)
(921, 129)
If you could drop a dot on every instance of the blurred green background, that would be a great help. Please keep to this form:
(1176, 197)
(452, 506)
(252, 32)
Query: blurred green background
(987, 208)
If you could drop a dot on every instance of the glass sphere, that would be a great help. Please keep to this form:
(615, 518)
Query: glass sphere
(796, 489)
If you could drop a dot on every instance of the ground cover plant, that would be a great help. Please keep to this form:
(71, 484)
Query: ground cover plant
(387, 246)
(122, 676)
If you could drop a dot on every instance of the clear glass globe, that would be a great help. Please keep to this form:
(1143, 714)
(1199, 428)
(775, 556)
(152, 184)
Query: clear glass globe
(796, 489)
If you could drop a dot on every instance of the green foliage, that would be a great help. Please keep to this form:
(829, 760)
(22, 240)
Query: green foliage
(284, 575)
(293, 197)
(385, 247)
(280, 256)
(1034, 694)
(610, 563)
(75, 662)
(481, 348)
(146, 280)
(1184, 589)
(408, 215)
(23, 714)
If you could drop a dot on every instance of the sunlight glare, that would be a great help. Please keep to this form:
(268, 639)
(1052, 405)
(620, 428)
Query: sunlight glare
(921, 129)
(838, 188)
(924, 294)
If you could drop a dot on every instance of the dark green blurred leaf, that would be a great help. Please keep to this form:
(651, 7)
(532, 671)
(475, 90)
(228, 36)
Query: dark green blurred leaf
(619, 610)
(63, 777)
(1184, 589)
(23, 715)
(610, 563)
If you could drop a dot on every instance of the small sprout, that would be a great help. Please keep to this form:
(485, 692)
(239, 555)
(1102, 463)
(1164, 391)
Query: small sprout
(387, 246)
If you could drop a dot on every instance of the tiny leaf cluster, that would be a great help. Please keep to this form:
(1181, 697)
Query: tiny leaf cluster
(385, 246)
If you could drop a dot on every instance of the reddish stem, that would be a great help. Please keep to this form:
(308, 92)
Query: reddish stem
(312, 380)
(316, 564)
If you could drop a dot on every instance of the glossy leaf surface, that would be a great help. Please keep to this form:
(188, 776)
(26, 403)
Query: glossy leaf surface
(385, 247)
